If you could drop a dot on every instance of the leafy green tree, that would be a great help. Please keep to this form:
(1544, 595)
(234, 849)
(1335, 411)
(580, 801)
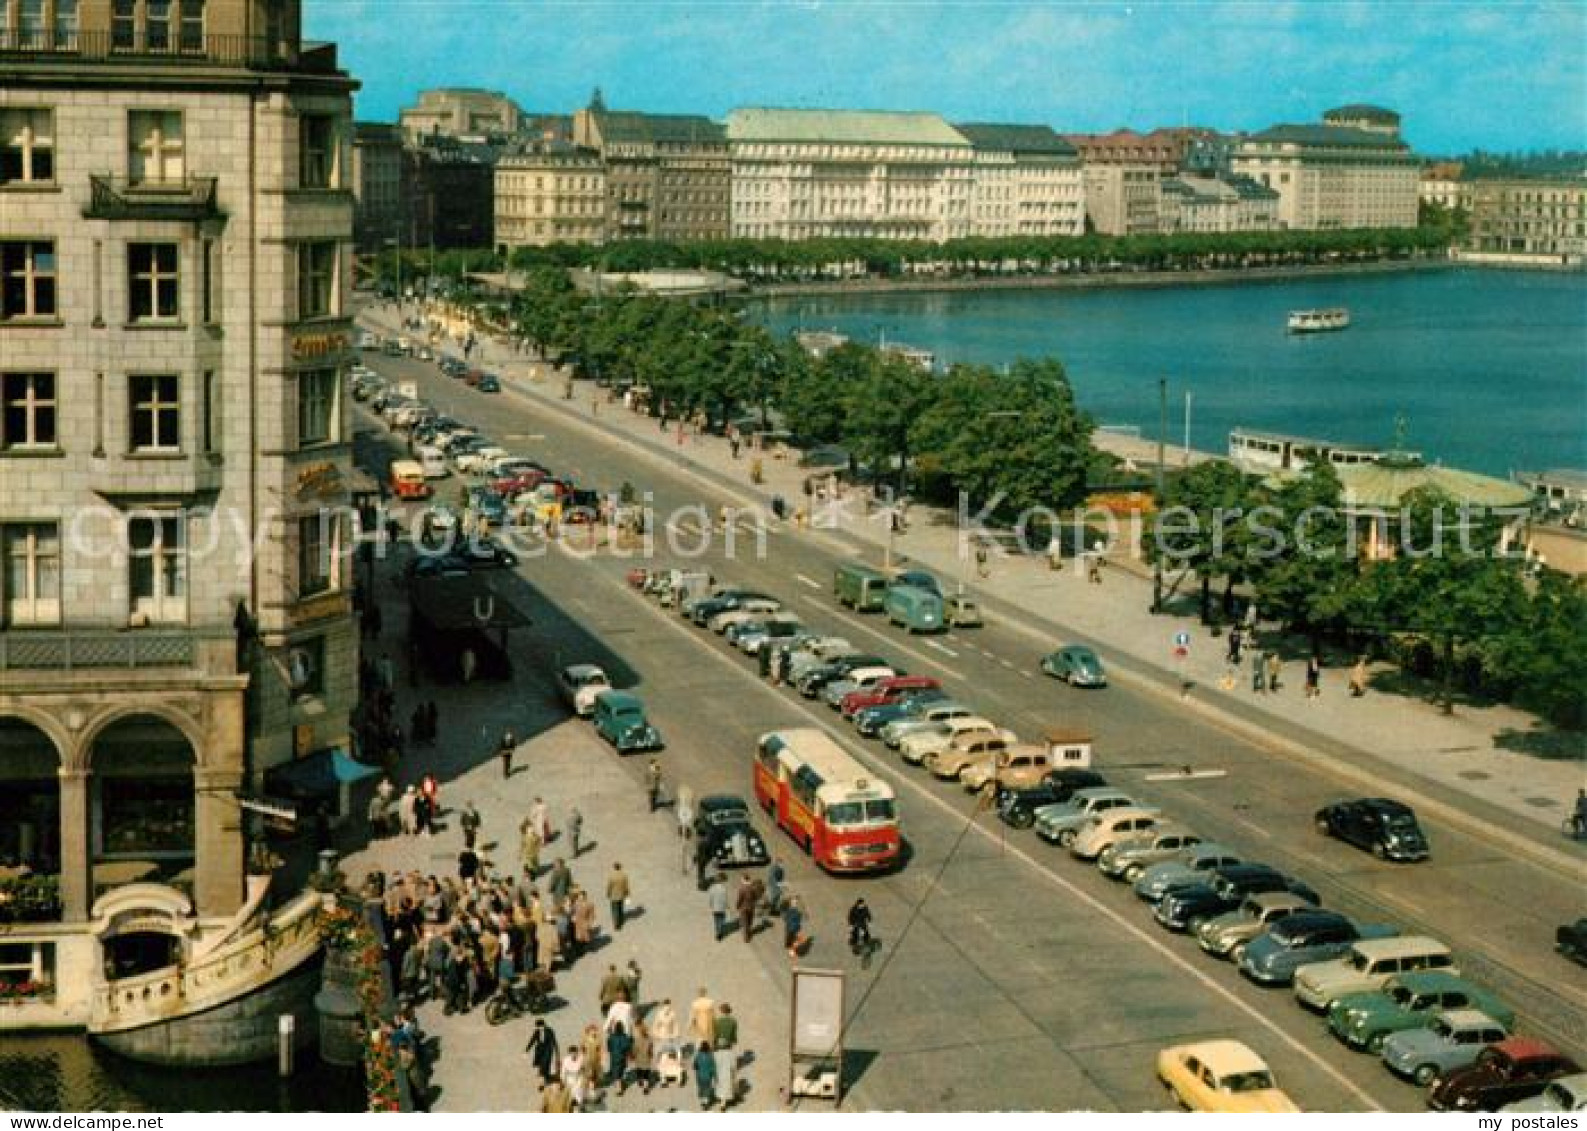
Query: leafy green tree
(1542, 655)
(882, 412)
(1201, 527)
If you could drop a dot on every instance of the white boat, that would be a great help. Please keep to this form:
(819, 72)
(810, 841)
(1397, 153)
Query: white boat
(1318, 321)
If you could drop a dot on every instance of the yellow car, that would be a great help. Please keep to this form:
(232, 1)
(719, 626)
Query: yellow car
(1221, 1076)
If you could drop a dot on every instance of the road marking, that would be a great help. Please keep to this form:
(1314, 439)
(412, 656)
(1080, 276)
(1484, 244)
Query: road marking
(944, 649)
(1027, 675)
(810, 581)
(1007, 664)
(1009, 848)
(1193, 775)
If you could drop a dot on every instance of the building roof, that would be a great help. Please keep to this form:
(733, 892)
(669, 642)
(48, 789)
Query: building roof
(1363, 111)
(1383, 485)
(875, 126)
(632, 125)
(1333, 137)
(1016, 138)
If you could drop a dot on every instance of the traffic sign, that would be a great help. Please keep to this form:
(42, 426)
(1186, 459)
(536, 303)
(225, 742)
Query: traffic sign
(1182, 639)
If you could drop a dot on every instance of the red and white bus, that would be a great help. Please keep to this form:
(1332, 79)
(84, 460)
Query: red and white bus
(840, 812)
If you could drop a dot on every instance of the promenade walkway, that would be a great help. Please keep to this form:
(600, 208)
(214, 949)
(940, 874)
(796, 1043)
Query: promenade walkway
(1490, 763)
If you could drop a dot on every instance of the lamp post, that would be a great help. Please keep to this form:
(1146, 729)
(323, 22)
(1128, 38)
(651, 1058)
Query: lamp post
(1162, 431)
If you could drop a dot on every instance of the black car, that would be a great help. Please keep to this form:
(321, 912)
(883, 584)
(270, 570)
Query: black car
(1224, 890)
(728, 599)
(723, 823)
(488, 384)
(871, 720)
(1385, 828)
(439, 565)
(1017, 807)
(811, 683)
(1571, 941)
(483, 553)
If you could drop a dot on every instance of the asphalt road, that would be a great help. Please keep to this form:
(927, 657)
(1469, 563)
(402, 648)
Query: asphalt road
(1011, 975)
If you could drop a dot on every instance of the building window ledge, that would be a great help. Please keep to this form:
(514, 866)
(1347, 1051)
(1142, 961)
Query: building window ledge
(154, 324)
(24, 452)
(32, 324)
(25, 187)
(158, 455)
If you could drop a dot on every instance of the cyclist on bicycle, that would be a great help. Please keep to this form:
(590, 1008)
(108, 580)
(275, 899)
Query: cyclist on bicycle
(859, 926)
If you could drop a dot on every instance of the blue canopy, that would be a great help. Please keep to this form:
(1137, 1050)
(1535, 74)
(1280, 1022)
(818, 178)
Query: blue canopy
(322, 772)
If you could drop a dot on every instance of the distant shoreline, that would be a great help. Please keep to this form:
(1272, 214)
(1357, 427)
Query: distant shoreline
(1092, 280)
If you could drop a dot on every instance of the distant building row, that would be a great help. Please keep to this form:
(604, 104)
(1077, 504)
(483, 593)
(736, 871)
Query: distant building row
(605, 176)
(1515, 218)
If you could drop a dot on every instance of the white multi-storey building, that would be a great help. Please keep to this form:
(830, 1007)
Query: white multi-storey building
(550, 192)
(1027, 182)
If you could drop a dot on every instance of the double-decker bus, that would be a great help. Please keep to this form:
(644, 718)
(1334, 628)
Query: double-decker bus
(837, 810)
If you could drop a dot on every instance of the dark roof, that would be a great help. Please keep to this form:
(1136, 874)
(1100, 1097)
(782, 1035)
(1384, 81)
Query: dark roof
(1250, 188)
(1019, 139)
(1334, 136)
(1363, 110)
(452, 604)
(631, 125)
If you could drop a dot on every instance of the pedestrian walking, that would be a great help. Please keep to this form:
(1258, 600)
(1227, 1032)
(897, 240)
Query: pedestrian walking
(555, 1099)
(724, 1042)
(633, 977)
(642, 1057)
(561, 881)
(705, 1075)
(540, 817)
(716, 899)
(664, 1027)
(542, 1050)
(614, 988)
(702, 1019)
(1274, 667)
(1258, 671)
(1313, 676)
(575, 830)
(529, 848)
(469, 822)
(774, 879)
(1358, 678)
(1236, 640)
(745, 901)
(980, 562)
(619, 1043)
(793, 927)
(573, 1075)
(703, 853)
(504, 751)
(617, 892)
(653, 783)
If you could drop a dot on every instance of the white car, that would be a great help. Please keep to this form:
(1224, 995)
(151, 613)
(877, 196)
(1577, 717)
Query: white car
(1109, 828)
(968, 750)
(580, 684)
(816, 652)
(917, 746)
(480, 458)
(929, 716)
(858, 680)
(756, 609)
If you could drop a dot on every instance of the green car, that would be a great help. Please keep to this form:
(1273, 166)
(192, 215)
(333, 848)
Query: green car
(620, 719)
(1408, 1001)
(1076, 665)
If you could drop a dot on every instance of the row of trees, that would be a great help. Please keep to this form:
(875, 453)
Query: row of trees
(1016, 434)
(1452, 606)
(771, 261)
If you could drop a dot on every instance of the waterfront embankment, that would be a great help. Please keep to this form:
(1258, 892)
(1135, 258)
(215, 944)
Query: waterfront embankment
(1087, 280)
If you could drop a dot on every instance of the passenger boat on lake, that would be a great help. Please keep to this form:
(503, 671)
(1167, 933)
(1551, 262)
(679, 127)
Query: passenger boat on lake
(1318, 321)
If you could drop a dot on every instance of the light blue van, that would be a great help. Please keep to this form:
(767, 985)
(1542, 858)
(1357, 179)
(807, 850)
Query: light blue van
(918, 610)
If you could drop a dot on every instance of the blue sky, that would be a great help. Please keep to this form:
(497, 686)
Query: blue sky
(1464, 75)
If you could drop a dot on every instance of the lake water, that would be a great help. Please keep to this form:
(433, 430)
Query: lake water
(1487, 368)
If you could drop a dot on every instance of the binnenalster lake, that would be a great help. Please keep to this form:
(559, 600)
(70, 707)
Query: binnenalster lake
(1488, 368)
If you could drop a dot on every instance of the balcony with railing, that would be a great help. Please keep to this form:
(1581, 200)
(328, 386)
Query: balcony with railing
(120, 198)
(178, 47)
(101, 649)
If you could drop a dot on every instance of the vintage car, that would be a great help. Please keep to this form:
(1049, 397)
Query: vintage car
(1571, 941)
(1018, 807)
(1566, 1094)
(917, 747)
(1106, 829)
(1060, 823)
(1508, 1072)
(1128, 859)
(1190, 867)
(870, 721)
(923, 716)
(1076, 665)
(620, 719)
(1408, 1001)
(722, 819)
(1303, 939)
(1385, 828)
(1184, 909)
(1221, 1076)
(579, 685)
(1226, 935)
(1368, 965)
(1453, 1039)
(971, 748)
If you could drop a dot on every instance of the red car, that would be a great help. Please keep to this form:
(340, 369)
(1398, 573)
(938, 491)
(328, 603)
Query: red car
(1516, 1069)
(517, 483)
(885, 691)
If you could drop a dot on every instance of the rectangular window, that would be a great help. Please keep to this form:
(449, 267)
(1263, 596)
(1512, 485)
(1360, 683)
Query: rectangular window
(316, 279)
(306, 668)
(209, 288)
(27, 147)
(156, 424)
(30, 584)
(65, 25)
(28, 419)
(153, 278)
(30, 25)
(124, 25)
(317, 404)
(317, 151)
(27, 279)
(157, 24)
(154, 147)
(316, 553)
(157, 577)
(211, 420)
(192, 25)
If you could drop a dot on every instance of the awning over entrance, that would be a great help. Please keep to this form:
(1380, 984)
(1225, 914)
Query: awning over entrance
(464, 604)
(319, 775)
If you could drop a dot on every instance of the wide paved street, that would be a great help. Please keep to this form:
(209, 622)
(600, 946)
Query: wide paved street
(1012, 975)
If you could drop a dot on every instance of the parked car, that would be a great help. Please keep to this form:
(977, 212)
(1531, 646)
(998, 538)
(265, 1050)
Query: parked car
(1368, 965)
(1018, 767)
(702, 610)
(480, 458)
(620, 719)
(857, 680)
(887, 691)
(813, 653)
(1571, 941)
(969, 749)
(1076, 665)
(1109, 828)
(722, 819)
(870, 721)
(1513, 1070)
(1059, 823)
(1564, 1094)
(488, 384)
(1453, 1039)
(749, 609)
(1225, 935)
(1303, 939)
(485, 553)
(1221, 1076)
(1408, 1001)
(815, 679)
(752, 638)
(1190, 867)
(580, 684)
(1385, 828)
(915, 748)
(923, 717)
(1018, 807)
(1183, 909)
(1128, 859)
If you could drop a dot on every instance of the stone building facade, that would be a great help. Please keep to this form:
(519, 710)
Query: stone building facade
(1546, 219)
(1192, 203)
(667, 175)
(819, 174)
(461, 112)
(175, 604)
(1027, 182)
(550, 192)
(1123, 199)
(379, 184)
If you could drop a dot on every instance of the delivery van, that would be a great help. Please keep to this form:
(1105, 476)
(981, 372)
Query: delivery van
(860, 587)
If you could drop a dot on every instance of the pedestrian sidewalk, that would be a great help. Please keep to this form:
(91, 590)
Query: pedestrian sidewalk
(1495, 762)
